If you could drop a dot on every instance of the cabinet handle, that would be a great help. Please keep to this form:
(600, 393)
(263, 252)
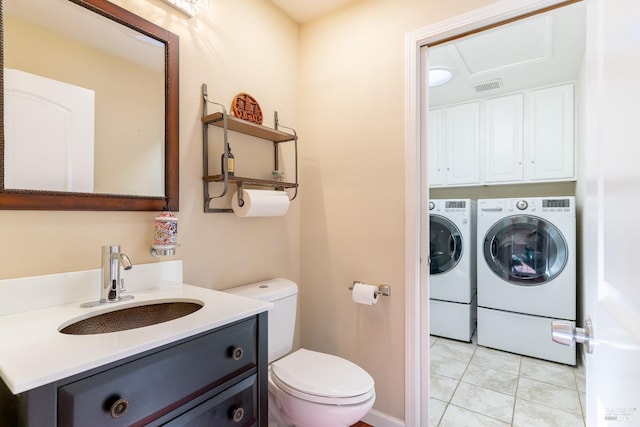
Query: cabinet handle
(236, 353)
(119, 408)
(237, 414)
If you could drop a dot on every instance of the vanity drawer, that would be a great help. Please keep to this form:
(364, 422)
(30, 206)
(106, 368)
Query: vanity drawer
(147, 388)
(236, 406)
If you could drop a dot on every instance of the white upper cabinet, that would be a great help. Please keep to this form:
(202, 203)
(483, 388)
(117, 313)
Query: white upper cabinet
(462, 144)
(520, 138)
(454, 145)
(503, 139)
(550, 134)
(435, 143)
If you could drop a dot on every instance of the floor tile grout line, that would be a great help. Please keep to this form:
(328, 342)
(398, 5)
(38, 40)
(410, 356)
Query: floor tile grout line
(582, 408)
(476, 412)
(548, 406)
(515, 395)
(494, 369)
(549, 383)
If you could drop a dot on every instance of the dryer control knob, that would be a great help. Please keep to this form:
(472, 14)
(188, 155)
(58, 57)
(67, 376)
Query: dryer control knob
(522, 205)
(431, 206)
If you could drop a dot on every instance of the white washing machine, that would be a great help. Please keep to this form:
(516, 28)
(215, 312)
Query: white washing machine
(452, 261)
(526, 274)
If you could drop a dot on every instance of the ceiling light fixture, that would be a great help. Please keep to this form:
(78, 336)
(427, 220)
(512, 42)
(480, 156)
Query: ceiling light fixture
(439, 76)
(189, 7)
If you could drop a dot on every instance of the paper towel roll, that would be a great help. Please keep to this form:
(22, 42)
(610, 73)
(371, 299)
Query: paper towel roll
(364, 294)
(261, 203)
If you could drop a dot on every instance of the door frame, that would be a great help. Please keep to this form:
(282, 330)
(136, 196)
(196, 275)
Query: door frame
(417, 187)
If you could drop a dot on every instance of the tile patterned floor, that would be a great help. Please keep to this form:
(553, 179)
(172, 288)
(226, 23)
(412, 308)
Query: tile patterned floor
(478, 386)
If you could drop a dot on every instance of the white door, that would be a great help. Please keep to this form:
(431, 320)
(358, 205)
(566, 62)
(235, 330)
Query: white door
(610, 224)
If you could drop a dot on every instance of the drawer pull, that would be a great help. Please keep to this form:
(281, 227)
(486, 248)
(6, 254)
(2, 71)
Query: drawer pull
(119, 408)
(236, 353)
(237, 414)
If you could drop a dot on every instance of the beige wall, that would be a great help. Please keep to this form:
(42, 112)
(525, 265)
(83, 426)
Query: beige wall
(352, 119)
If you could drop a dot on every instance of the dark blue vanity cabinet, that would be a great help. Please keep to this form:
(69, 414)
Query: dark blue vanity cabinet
(217, 378)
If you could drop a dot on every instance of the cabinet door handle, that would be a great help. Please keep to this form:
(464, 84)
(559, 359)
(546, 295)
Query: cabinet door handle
(237, 414)
(119, 408)
(236, 353)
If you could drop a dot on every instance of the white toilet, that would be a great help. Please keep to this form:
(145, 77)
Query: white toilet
(306, 388)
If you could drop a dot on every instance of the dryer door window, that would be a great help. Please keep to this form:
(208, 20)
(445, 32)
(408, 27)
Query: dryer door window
(445, 241)
(525, 250)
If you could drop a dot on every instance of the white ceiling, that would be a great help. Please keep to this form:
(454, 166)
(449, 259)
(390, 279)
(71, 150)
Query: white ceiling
(536, 51)
(305, 10)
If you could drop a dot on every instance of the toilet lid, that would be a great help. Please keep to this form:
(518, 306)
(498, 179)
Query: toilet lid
(307, 373)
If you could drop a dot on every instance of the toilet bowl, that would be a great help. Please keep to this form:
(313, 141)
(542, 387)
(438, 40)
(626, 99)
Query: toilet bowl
(306, 388)
(312, 389)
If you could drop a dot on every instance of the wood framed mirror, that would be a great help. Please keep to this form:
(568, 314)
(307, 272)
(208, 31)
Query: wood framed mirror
(126, 146)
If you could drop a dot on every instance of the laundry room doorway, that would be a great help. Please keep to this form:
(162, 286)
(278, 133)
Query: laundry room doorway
(606, 179)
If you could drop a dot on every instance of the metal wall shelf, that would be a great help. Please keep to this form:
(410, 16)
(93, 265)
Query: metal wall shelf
(230, 123)
(248, 128)
(252, 181)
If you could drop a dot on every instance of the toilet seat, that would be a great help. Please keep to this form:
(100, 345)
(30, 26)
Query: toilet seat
(322, 378)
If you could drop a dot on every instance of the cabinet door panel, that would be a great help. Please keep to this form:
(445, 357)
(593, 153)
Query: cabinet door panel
(235, 406)
(503, 148)
(462, 144)
(434, 143)
(550, 139)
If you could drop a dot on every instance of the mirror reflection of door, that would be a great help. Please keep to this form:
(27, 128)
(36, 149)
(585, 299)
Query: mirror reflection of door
(125, 70)
(56, 155)
(493, 70)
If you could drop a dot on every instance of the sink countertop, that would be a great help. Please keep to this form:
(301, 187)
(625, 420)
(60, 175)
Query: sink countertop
(33, 352)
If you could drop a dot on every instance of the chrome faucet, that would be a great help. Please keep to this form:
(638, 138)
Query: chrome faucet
(112, 284)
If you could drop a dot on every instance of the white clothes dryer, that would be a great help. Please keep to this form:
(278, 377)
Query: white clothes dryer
(452, 261)
(526, 274)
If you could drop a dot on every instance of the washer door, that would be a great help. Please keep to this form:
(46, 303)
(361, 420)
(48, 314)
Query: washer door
(445, 241)
(525, 250)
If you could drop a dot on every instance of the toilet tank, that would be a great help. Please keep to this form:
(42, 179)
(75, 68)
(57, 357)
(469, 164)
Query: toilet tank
(283, 293)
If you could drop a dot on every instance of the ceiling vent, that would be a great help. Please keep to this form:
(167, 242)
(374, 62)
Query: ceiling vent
(489, 85)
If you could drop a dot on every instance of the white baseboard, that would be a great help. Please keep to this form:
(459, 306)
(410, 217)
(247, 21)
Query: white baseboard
(380, 419)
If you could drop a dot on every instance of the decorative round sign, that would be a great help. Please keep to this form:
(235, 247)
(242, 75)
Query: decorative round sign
(245, 107)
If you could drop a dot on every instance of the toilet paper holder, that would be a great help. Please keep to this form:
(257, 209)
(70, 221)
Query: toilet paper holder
(382, 289)
(239, 188)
